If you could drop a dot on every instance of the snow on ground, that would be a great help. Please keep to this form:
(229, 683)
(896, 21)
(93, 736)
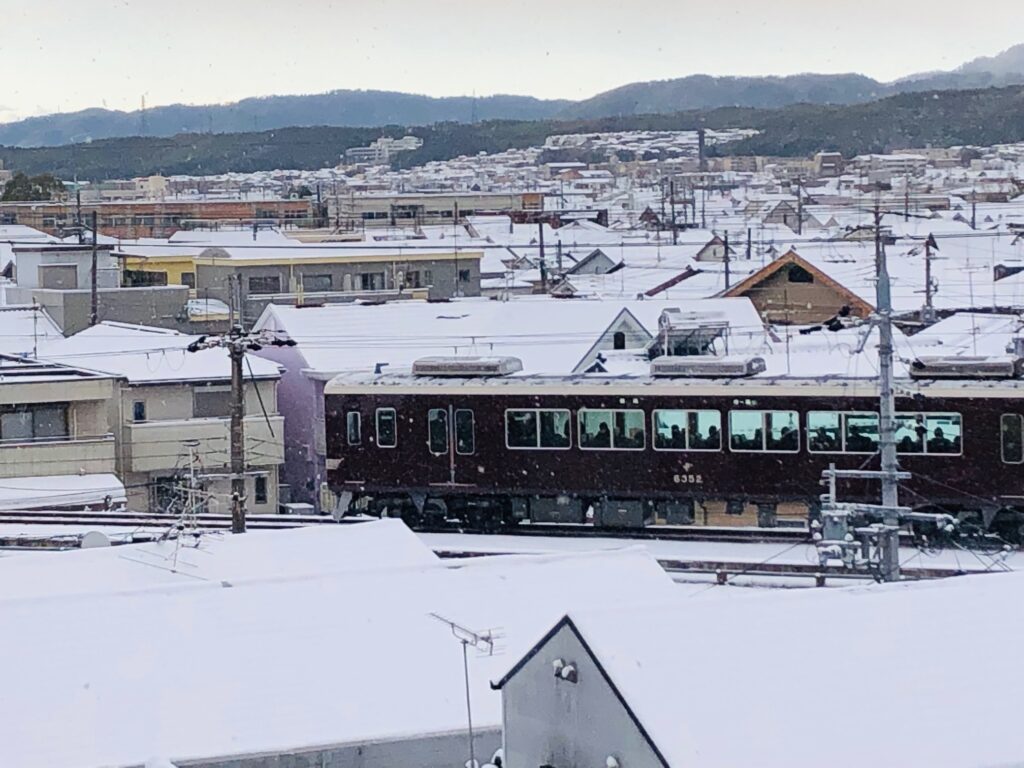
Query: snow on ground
(275, 640)
(735, 552)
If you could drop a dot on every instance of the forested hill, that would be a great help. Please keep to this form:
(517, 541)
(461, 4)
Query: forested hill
(938, 118)
(359, 108)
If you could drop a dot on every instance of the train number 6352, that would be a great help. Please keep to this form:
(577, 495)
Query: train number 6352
(688, 479)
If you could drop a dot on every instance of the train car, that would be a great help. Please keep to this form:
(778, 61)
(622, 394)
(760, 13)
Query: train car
(494, 450)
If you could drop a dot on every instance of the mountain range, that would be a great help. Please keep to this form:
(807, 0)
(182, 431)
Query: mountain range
(357, 108)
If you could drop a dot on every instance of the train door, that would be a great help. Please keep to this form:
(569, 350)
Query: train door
(451, 443)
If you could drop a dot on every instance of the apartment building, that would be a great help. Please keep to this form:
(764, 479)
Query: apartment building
(55, 421)
(418, 209)
(170, 416)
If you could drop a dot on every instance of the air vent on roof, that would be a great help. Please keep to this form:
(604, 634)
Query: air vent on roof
(704, 366)
(466, 366)
(965, 367)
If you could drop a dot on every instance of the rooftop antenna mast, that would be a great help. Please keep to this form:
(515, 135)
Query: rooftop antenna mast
(483, 641)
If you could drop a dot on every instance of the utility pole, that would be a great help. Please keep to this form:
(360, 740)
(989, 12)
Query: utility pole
(237, 342)
(672, 205)
(799, 209)
(455, 234)
(94, 306)
(974, 209)
(543, 265)
(558, 256)
(726, 241)
(749, 245)
(703, 205)
(906, 197)
(78, 212)
(928, 313)
(662, 184)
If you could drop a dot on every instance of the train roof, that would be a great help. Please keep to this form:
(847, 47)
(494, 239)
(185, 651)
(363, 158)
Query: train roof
(639, 385)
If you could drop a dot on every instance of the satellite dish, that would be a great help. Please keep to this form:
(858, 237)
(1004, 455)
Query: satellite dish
(94, 539)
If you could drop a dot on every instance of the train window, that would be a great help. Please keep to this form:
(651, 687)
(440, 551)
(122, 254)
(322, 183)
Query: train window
(353, 428)
(387, 428)
(776, 431)
(437, 430)
(687, 430)
(622, 430)
(834, 432)
(465, 432)
(824, 432)
(537, 428)
(944, 433)
(935, 434)
(1011, 429)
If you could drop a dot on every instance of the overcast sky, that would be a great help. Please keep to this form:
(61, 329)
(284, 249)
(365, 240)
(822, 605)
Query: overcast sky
(63, 55)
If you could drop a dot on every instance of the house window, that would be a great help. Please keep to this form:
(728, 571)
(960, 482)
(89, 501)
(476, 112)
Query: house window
(773, 431)
(612, 429)
(371, 281)
(437, 430)
(261, 489)
(353, 428)
(465, 432)
(463, 275)
(314, 283)
(1011, 429)
(798, 274)
(537, 428)
(687, 430)
(387, 428)
(139, 410)
(211, 402)
(619, 340)
(265, 284)
(33, 422)
(189, 279)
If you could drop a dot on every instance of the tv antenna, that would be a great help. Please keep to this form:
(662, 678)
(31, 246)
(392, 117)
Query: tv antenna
(483, 642)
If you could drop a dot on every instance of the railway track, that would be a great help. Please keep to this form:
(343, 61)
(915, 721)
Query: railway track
(278, 522)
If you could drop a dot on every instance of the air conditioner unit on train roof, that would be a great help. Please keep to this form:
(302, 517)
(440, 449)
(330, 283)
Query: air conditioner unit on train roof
(705, 366)
(466, 366)
(964, 367)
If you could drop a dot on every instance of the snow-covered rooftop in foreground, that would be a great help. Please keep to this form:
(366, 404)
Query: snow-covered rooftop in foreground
(273, 640)
(904, 675)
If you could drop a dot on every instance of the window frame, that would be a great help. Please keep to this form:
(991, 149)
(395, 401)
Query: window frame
(538, 446)
(447, 432)
(376, 426)
(1002, 442)
(764, 432)
(256, 483)
(260, 291)
(348, 428)
(687, 411)
(842, 432)
(472, 431)
(612, 446)
(924, 443)
(139, 406)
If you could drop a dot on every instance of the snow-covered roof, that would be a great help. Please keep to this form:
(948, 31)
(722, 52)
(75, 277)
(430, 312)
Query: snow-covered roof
(147, 355)
(549, 335)
(24, 328)
(130, 660)
(866, 676)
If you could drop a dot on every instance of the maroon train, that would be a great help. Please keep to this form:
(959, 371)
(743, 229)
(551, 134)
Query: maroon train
(632, 451)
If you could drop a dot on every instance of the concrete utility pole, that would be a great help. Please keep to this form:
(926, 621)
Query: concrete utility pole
(974, 209)
(799, 210)
(672, 206)
(726, 258)
(890, 564)
(94, 305)
(543, 266)
(455, 234)
(237, 342)
(928, 313)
